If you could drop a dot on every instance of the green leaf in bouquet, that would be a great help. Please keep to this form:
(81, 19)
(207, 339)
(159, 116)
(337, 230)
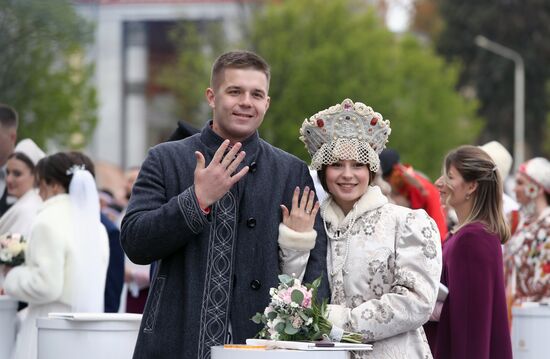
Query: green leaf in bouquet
(289, 329)
(304, 316)
(257, 318)
(280, 327)
(317, 335)
(271, 315)
(297, 296)
(317, 282)
(286, 279)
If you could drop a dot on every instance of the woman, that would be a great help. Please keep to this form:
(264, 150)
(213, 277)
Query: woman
(473, 321)
(67, 253)
(527, 254)
(384, 260)
(20, 183)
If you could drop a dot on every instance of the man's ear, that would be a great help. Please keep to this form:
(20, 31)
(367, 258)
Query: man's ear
(210, 97)
(13, 135)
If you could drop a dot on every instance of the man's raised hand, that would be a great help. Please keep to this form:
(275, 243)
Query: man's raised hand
(215, 180)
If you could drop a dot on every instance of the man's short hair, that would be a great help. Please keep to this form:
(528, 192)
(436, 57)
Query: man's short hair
(240, 59)
(8, 117)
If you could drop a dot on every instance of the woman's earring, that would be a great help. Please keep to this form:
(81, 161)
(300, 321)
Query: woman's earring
(467, 196)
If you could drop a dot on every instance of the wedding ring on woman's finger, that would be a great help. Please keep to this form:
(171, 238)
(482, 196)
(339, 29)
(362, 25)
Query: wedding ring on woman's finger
(308, 211)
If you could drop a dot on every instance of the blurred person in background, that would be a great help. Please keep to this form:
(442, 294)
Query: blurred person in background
(20, 182)
(8, 136)
(503, 160)
(67, 254)
(137, 277)
(473, 322)
(527, 254)
(412, 189)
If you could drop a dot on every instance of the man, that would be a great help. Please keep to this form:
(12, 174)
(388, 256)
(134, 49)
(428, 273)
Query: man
(8, 136)
(412, 189)
(207, 208)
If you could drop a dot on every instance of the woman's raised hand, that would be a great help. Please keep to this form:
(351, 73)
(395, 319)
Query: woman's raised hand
(301, 217)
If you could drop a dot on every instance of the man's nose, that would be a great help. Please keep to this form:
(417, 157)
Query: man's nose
(246, 100)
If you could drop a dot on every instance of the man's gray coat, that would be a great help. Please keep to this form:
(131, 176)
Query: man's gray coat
(164, 223)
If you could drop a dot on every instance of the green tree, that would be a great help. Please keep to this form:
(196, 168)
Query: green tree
(323, 52)
(43, 73)
(521, 25)
(197, 44)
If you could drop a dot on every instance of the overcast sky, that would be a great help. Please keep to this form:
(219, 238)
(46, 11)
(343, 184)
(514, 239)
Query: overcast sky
(398, 14)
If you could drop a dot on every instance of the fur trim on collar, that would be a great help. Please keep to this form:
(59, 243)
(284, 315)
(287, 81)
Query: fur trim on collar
(333, 214)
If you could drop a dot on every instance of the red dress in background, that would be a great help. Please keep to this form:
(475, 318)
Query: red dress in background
(420, 192)
(473, 322)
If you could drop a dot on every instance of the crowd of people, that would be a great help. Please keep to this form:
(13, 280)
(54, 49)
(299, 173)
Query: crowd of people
(421, 269)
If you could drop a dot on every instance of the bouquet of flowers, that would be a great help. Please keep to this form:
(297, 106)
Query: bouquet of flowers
(12, 249)
(294, 314)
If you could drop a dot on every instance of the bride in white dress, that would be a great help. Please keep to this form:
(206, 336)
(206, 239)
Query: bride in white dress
(67, 254)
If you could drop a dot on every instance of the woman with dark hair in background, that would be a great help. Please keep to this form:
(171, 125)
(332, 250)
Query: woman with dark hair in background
(473, 322)
(67, 254)
(21, 185)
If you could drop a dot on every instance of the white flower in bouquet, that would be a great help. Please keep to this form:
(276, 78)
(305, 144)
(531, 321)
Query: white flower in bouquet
(12, 249)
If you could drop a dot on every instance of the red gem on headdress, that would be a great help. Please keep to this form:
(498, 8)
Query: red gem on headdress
(374, 121)
(320, 123)
(347, 106)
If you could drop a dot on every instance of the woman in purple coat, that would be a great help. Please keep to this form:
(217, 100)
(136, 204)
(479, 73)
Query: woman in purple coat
(473, 322)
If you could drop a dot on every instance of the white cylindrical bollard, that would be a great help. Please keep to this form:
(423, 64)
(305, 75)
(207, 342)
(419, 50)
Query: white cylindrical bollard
(8, 320)
(87, 335)
(530, 328)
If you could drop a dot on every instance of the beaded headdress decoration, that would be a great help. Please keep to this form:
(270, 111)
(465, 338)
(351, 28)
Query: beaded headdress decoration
(346, 131)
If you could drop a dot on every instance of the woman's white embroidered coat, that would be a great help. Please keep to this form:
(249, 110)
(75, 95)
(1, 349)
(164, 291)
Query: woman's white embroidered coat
(383, 272)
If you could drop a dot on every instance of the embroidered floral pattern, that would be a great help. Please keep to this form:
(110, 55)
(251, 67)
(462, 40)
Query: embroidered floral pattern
(338, 295)
(374, 266)
(367, 314)
(399, 290)
(369, 335)
(378, 290)
(368, 229)
(357, 300)
(338, 248)
(430, 250)
(405, 279)
(427, 232)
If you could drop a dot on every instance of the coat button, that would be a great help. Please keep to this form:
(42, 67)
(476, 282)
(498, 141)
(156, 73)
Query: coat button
(255, 284)
(253, 167)
(251, 222)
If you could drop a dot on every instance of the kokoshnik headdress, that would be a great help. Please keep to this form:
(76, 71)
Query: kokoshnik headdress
(347, 131)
